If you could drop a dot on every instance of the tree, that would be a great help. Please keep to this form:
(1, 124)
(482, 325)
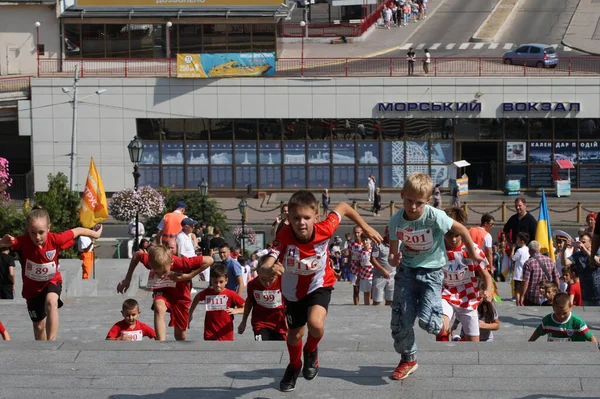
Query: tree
(12, 220)
(5, 181)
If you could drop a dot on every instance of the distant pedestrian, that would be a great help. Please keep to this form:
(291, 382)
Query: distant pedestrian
(394, 10)
(455, 200)
(325, 200)
(406, 12)
(437, 197)
(371, 187)
(410, 57)
(426, 61)
(376, 202)
(387, 17)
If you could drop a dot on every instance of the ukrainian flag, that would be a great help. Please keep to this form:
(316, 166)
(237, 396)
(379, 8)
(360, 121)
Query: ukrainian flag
(543, 233)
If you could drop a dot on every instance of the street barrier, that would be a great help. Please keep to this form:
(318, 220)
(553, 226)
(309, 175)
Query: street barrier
(16, 84)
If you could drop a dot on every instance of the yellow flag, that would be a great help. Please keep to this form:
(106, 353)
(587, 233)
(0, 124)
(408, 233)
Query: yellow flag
(94, 208)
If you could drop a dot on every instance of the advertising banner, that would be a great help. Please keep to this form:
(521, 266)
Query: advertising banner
(176, 3)
(463, 186)
(198, 66)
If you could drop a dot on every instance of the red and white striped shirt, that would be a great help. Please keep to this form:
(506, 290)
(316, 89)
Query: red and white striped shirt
(366, 268)
(459, 286)
(356, 247)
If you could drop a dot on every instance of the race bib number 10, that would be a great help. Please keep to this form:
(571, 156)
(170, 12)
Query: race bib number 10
(216, 302)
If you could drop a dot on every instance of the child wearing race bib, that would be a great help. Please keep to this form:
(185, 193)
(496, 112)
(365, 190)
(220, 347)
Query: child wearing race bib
(356, 247)
(365, 284)
(130, 328)
(221, 305)
(42, 282)
(170, 280)
(418, 281)
(4, 333)
(302, 258)
(562, 324)
(460, 289)
(266, 304)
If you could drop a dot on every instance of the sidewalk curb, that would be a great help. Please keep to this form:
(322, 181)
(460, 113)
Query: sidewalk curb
(476, 39)
(564, 41)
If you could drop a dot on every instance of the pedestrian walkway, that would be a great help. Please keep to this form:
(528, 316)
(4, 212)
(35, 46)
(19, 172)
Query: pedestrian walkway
(468, 47)
(583, 33)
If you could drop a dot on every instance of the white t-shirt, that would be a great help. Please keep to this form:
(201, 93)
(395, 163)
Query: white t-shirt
(520, 257)
(84, 242)
(246, 274)
(185, 244)
(487, 242)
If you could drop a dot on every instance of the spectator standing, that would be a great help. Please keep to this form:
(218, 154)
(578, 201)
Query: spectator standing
(560, 240)
(587, 269)
(522, 221)
(7, 275)
(85, 247)
(426, 61)
(394, 9)
(410, 57)
(387, 16)
(185, 244)
(519, 257)
(437, 197)
(141, 231)
(406, 10)
(455, 198)
(590, 219)
(325, 200)
(482, 237)
(377, 202)
(371, 187)
(215, 242)
(537, 268)
(235, 280)
(280, 221)
(170, 225)
(383, 272)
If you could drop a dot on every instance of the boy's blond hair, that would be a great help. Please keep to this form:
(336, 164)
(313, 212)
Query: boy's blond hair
(419, 183)
(159, 257)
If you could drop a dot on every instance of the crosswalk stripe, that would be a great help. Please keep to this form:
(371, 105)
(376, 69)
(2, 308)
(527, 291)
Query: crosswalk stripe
(507, 46)
(478, 46)
(567, 48)
(493, 46)
(420, 46)
(555, 46)
(406, 46)
(450, 46)
(435, 46)
(464, 46)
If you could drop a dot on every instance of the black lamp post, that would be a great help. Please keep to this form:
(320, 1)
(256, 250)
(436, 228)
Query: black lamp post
(136, 149)
(242, 206)
(203, 190)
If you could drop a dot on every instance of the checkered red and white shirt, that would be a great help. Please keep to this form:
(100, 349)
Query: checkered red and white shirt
(356, 248)
(366, 268)
(459, 286)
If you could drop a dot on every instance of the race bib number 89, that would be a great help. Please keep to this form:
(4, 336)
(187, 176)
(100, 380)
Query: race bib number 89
(40, 272)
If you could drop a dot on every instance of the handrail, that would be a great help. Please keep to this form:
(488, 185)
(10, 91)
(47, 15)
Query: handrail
(15, 84)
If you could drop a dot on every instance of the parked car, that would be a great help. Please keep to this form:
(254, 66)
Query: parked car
(533, 54)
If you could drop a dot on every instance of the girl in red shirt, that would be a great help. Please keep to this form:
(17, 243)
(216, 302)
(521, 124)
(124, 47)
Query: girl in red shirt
(42, 282)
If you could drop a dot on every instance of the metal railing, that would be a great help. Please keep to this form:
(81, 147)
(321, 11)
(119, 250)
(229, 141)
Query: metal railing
(332, 67)
(16, 84)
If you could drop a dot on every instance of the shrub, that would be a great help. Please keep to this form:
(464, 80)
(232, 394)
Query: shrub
(148, 202)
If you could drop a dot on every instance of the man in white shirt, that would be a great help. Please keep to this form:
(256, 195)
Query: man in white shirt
(184, 242)
(520, 256)
(131, 231)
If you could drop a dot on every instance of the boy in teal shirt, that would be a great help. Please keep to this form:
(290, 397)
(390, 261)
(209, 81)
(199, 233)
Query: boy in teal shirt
(418, 281)
(562, 324)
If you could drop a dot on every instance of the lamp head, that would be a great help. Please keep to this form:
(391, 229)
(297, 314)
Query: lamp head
(100, 91)
(38, 24)
(302, 24)
(169, 24)
(66, 90)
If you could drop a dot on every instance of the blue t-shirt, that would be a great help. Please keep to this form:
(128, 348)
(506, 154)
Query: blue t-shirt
(422, 239)
(234, 269)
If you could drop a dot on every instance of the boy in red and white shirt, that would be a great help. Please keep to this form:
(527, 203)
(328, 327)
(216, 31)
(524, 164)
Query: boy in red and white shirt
(221, 305)
(365, 273)
(268, 311)
(306, 278)
(169, 279)
(460, 289)
(130, 328)
(355, 245)
(4, 333)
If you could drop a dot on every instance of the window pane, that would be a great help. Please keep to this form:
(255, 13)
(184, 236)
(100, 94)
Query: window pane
(172, 129)
(515, 128)
(318, 153)
(142, 40)
(221, 153)
(565, 128)
(245, 129)
(190, 38)
(244, 176)
(417, 128)
(150, 154)
(294, 153)
(245, 153)
(295, 129)
(392, 176)
(150, 176)
(589, 152)
(240, 38)
(417, 151)
(270, 129)
(589, 177)
(221, 177)
(368, 152)
(589, 129)
(540, 129)
(389, 129)
(196, 153)
(173, 176)
(215, 38)
(343, 176)
(318, 177)
(439, 175)
(221, 129)
(270, 153)
(491, 129)
(365, 171)
(148, 129)
(195, 174)
(540, 152)
(393, 152)
(263, 38)
(295, 177)
(92, 40)
(319, 129)
(410, 169)
(172, 153)
(72, 40)
(442, 152)
(516, 152)
(117, 41)
(197, 129)
(270, 176)
(540, 176)
(517, 172)
(466, 129)
(343, 152)
(566, 150)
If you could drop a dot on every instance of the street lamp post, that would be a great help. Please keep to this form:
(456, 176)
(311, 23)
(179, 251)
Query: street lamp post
(203, 190)
(37, 46)
(136, 149)
(169, 25)
(303, 26)
(243, 206)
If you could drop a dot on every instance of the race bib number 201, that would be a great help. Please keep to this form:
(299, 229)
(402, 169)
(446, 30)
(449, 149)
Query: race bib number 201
(418, 240)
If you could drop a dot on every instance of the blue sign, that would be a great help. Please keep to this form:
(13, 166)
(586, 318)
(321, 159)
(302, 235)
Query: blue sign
(429, 107)
(541, 107)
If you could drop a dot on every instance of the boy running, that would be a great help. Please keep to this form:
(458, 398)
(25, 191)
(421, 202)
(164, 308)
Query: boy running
(308, 280)
(130, 328)
(418, 281)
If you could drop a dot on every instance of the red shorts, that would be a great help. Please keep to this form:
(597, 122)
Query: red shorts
(178, 308)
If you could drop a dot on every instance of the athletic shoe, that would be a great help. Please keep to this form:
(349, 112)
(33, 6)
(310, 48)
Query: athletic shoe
(311, 365)
(404, 369)
(442, 337)
(288, 382)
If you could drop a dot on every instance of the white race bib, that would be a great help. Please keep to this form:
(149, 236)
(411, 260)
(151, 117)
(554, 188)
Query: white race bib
(155, 283)
(37, 272)
(553, 339)
(308, 266)
(418, 241)
(216, 302)
(133, 335)
(460, 277)
(270, 299)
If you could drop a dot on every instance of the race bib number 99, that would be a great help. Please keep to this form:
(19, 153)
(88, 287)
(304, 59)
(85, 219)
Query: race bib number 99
(40, 272)
(419, 240)
(270, 299)
(216, 302)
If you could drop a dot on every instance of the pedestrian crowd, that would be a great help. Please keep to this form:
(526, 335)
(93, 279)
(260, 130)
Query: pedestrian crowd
(400, 12)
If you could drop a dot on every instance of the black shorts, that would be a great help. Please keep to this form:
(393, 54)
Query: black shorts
(36, 306)
(296, 312)
(266, 334)
(6, 292)
(518, 284)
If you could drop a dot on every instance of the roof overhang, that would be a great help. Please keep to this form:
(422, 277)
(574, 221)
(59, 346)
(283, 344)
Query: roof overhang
(565, 164)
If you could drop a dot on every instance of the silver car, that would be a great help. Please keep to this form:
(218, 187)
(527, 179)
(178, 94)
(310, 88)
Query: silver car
(533, 54)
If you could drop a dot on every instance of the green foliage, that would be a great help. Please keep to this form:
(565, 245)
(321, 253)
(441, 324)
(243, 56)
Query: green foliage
(62, 205)
(214, 216)
(12, 220)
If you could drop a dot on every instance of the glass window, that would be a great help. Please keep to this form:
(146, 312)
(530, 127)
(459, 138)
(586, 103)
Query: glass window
(589, 152)
(190, 38)
(393, 152)
(239, 39)
(343, 176)
(151, 153)
(197, 129)
(389, 129)
(92, 41)
(515, 128)
(368, 152)
(270, 129)
(589, 129)
(442, 152)
(214, 38)
(540, 176)
(245, 176)
(148, 129)
(245, 153)
(417, 128)
(195, 174)
(417, 152)
(294, 153)
(410, 169)
(294, 129)
(517, 172)
(196, 153)
(221, 177)
(466, 129)
(172, 153)
(270, 153)
(221, 129)
(343, 152)
(245, 129)
(263, 38)
(440, 175)
(491, 129)
(363, 175)
(270, 176)
(295, 177)
(540, 129)
(141, 37)
(173, 176)
(589, 176)
(540, 152)
(172, 129)
(150, 176)
(221, 153)
(117, 41)
(72, 40)
(392, 176)
(318, 153)
(318, 177)
(319, 129)
(566, 150)
(535, 50)
(565, 128)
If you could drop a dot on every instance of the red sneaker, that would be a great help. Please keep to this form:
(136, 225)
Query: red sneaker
(404, 369)
(442, 337)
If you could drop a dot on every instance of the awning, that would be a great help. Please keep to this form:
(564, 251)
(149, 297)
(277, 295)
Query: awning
(461, 164)
(565, 164)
